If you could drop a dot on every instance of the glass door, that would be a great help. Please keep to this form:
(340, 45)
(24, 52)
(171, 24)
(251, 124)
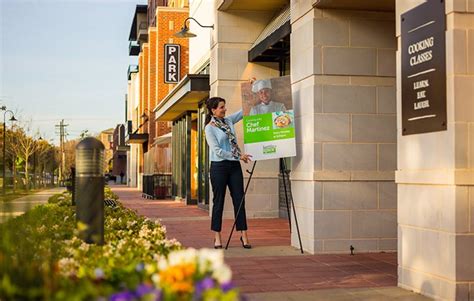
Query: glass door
(182, 147)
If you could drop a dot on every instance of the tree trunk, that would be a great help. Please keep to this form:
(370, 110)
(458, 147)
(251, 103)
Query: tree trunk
(14, 174)
(27, 177)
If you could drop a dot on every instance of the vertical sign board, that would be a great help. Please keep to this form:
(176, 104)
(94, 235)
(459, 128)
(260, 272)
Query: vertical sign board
(172, 63)
(269, 120)
(424, 68)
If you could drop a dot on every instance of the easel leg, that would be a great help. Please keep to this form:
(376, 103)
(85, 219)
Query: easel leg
(285, 174)
(241, 202)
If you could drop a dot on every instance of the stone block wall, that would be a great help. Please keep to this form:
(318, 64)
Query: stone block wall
(343, 81)
(435, 176)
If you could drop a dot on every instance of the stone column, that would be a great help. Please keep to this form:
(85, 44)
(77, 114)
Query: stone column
(343, 83)
(234, 33)
(436, 176)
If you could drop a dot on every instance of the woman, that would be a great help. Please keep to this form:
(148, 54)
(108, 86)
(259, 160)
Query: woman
(225, 167)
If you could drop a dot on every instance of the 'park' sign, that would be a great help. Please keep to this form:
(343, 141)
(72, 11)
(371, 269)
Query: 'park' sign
(172, 64)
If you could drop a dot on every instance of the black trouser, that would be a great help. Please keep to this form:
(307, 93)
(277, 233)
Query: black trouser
(223, 174)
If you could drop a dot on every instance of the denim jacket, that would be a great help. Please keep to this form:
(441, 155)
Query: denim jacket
(219, 145)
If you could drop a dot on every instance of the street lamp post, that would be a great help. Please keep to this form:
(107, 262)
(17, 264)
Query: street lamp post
(4, 145)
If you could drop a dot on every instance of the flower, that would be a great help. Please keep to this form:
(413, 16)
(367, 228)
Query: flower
(122, 296)
(99, 273)
(203, 285)
(179, 277)
(209, 260)
(222, 274)
(140, 267)
(156, 279)
(227, 286)
(146, 289)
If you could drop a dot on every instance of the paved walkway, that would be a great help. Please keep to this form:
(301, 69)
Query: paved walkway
(272, 269)
(21, 205)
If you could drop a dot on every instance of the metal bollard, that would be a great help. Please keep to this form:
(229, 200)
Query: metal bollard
(73, 180)
(89, 190)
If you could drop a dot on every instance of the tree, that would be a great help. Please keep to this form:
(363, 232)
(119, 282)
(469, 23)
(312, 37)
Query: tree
(12, 152)
(22, 147)
(70, 155)
(46, 159)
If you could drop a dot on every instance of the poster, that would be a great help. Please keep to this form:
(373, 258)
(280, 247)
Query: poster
(269, 121)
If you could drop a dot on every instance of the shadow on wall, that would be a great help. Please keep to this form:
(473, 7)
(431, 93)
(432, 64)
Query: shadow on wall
(297, 160)
(427, 288)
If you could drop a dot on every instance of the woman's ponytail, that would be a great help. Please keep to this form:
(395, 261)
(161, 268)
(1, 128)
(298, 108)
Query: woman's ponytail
(208, 118)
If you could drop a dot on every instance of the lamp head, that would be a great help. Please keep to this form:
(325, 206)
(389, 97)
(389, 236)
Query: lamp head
(184, 33)
(13, 118)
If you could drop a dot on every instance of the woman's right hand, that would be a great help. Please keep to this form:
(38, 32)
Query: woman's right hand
(246, 158)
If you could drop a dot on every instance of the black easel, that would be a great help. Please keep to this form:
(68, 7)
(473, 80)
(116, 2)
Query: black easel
(286, 177)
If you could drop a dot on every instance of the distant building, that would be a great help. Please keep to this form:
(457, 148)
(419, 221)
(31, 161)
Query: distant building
(152, 27)
(106, 137)
(119, 159)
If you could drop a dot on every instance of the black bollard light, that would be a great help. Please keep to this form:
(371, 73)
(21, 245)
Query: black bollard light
(73, 182)
(89, 190)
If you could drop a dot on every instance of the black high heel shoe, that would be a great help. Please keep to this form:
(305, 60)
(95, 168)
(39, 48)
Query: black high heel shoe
(244, 245)
(217, 246)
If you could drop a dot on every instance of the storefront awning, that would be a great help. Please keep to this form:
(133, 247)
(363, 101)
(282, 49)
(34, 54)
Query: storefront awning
(273, 43)
(184, 97)
(123, 148)
(166, 138)
(136, 138)
(379, 5)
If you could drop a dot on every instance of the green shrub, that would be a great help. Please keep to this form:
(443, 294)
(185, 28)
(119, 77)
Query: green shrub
(62, 199)
(109, 195)
(41, 257)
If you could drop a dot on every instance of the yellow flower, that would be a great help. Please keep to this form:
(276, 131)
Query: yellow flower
(179, 277)
(182, 287)
(82, 226)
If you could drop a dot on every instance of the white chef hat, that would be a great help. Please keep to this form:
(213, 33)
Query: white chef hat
(261, 84)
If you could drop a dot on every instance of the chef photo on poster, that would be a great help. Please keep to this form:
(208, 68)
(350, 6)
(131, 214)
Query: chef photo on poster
(269, 124)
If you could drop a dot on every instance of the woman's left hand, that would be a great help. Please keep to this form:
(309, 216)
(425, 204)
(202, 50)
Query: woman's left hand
(246, 158)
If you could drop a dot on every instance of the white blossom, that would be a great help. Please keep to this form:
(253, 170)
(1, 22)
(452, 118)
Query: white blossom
(222, 274)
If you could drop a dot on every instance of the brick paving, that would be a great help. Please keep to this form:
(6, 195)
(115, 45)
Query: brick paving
(272, 265)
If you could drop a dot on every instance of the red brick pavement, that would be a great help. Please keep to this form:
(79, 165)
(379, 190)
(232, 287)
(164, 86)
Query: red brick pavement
(190, 225)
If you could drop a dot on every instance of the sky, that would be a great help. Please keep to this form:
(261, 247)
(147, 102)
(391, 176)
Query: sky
(65, 59)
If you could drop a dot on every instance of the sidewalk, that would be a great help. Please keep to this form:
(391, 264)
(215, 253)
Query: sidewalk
(20, 205)
(272, 269)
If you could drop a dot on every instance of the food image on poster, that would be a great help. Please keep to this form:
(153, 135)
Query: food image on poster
(282, 119)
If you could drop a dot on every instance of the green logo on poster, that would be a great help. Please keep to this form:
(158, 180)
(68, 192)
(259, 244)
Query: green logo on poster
(269, 149)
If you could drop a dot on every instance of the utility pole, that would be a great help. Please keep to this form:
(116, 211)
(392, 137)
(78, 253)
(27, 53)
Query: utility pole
(62, 134)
